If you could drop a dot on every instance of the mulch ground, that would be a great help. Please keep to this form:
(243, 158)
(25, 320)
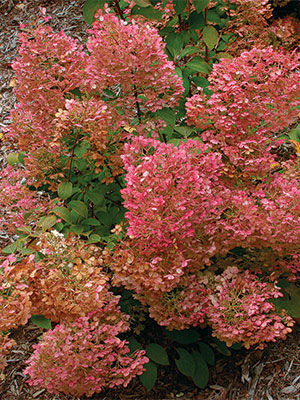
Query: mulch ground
(271, 374)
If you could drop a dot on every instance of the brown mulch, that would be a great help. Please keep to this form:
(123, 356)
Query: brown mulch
(272, 374)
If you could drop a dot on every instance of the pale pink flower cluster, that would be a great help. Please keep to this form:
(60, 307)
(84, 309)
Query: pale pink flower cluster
(131, 56)
(254, 96)
(84, 357)
(240, 310)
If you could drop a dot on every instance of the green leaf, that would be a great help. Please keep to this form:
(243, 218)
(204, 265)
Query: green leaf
(200, 4)
(294, 134)
(174, 43)
(184, 131)
(207, 353)
(196, 21)
(79, 208)
(65, 190)
(200, 81)
(223, 55)
(41, 321)
(187, 51)
(63, 213)
(201, 373)
(91, 221)
(94, 238)
(78, 229)
(13, 158)
(157, 353)
(221, 347)
(210, 36)
(134, 345)
(89, 9)
(95, 196)
(167, 115)
(213, 16)
(47, 222)
(290, 300)
(186, 363)
(81, 149)
(149, 376)
(10, 248)
(197, 64)
(187, 336)
(179, 6)
(143, 3)
(148, 12)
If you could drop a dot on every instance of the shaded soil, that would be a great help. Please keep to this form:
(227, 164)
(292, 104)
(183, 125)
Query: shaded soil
(272, 374)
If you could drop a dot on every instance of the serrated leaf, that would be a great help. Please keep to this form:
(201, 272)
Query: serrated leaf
(196, 21)
(197, 64)
(200, 81)
(200, 4)
(210, 36)
(207, 353)
(63, 213)
(10, 248)
(91, 221)
(78, 229)
(184, 131)
(157, 353)
(186, 363)
(201, 374)
(41, 321)
(167, 115)
(183, 337)
(187, 51)
(89, 9)
(47, 222)
(179, 6)
(221, 55)
(174, 43)
(65, 190)
(149, 376)
(79, 208)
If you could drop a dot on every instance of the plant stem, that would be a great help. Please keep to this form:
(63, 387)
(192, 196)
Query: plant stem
(72, 155)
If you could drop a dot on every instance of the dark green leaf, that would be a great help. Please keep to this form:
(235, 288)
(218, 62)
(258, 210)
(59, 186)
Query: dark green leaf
(210, 36)
(79, 207)
(134, 345)
(221, 347)
(201, 373)
(184, 337)
(291, 299)
(149, 376)
(185, 363)
(174, 43)
(148, 12)
(167, 115)
(63, 213)
(157, 353)
(187, 51)
(196, 21)
(179, 6)
(89, 9)
(200, 4)
(91, 221)
(200, 81)
(197, 64)
(41, 321)
(213, 16)
(65, 190)
(207, 353)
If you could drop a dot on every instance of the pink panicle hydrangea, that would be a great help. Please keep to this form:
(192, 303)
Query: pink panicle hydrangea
(16, 200)
(131, 55)
(84, 357)
(240, 310)
(185, 306)
(254, 96)
(49, 66)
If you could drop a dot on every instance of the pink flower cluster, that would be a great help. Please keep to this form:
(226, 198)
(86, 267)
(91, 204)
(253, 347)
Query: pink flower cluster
(131, 56)
(84, 357)
(254, 96)
(240, 312)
